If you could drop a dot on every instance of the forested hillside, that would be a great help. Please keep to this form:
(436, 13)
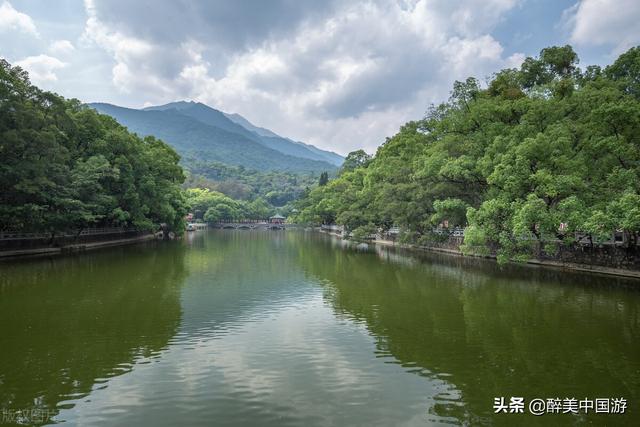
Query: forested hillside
(275, 187)
(539, 153)
(66, 167)
(198, 131)
(237, 124)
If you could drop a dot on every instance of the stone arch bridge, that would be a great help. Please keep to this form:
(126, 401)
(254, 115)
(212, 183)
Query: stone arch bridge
(252, 225)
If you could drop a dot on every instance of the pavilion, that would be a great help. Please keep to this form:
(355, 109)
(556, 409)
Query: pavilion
(277, 219)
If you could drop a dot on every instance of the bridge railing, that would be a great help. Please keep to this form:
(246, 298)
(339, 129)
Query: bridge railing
(241, 221)
(252, 225)
(18, 235)
(455, 232)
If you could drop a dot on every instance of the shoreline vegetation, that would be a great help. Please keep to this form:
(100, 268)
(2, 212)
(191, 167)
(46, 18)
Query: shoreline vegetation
(568, 266)
(71, 248)
(539, 163)
(66, 168)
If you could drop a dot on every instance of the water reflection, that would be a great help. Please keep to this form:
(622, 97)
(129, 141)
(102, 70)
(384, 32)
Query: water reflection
(285, 328)
(514, 331)
(258, 345)
(68, 324)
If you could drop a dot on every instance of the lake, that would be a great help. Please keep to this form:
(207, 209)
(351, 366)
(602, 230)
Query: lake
(298, 328)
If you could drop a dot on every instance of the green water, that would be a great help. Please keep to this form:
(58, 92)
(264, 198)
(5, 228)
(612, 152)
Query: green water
(291, 328)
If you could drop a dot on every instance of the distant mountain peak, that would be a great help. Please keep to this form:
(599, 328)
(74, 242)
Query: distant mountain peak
(234, 122)
(177, 105)
(328, 156)
(237, 118)
(201, 132)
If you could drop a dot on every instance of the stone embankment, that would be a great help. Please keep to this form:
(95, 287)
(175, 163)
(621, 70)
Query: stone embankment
(14, 245)
(605, 259)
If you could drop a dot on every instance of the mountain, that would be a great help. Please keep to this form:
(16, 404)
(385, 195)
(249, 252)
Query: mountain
(237, 118)
(205, 114)
(328, 156)
(286, 145)
(201, 133)
(237, 124)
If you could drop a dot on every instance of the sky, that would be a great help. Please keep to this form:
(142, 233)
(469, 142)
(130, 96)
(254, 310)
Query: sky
(339, 74)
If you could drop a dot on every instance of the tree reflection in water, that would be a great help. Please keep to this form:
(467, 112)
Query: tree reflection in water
(68, 324)
(489, 331)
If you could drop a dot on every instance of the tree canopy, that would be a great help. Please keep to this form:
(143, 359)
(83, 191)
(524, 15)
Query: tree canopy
(540, 153)
(213, 206)
(278, 188)
(66, 167)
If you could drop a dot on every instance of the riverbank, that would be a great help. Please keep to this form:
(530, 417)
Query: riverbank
(568, 266)
(73, 248)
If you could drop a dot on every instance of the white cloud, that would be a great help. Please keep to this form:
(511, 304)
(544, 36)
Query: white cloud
(11, 19)
(141, 65)
(614, 23)
(61, 47)
(344, 80)
(41, 68)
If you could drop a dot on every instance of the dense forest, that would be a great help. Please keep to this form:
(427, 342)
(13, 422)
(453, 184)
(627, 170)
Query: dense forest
(536, 155)
(66, 167)
(278, 188)
(213, 206)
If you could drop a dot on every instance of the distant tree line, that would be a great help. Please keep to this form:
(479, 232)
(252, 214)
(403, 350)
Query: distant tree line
(538, 154)
(66, 167)
(213, 206)
(277, 188)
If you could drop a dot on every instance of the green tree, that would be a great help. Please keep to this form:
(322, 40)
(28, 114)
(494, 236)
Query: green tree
(65, 167)
(259, 209)
(626, 71)
(543, 153)
(324, 179)
(216, 206)
(355, 159)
